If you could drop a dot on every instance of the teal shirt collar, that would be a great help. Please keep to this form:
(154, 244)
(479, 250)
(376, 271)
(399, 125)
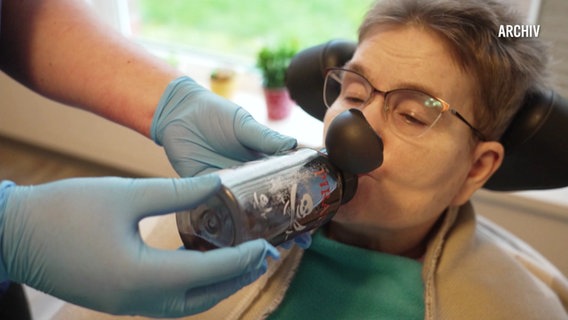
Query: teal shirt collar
(339, 281)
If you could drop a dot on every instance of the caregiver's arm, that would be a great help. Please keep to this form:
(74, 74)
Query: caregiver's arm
(61, 50)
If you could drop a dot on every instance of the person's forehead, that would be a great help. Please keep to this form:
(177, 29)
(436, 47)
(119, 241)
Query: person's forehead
(413, 57)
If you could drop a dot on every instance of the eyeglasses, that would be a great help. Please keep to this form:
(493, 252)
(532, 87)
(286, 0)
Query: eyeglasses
(410, 112)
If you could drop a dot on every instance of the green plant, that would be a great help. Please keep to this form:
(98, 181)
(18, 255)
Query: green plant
(273, 63)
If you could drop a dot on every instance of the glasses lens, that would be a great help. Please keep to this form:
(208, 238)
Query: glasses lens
(346, 88)
(412, 112)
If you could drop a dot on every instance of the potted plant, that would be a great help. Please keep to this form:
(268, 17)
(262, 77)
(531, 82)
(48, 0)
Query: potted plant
(273, 63)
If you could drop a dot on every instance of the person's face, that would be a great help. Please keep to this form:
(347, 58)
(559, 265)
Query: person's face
(421, 176)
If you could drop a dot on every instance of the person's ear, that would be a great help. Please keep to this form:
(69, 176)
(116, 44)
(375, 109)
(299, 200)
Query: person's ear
(486, 159)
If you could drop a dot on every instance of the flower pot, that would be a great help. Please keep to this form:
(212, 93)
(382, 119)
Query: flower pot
(278, 103)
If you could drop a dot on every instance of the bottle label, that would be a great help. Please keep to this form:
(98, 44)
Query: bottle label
(296, 200)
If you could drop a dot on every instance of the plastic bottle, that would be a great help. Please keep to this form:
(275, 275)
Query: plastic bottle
(275, 198)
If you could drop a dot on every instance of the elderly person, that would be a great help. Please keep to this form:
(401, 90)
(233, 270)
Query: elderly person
(439, 86)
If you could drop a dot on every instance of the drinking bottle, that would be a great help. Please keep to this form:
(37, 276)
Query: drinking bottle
(275, 198)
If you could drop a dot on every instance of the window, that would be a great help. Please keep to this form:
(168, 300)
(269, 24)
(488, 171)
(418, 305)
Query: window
(236, 30)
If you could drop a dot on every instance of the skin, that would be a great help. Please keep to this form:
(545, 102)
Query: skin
(59, 49)
(397, 205)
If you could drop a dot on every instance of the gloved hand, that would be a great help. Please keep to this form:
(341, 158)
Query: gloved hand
(202, 132)
(78, 240)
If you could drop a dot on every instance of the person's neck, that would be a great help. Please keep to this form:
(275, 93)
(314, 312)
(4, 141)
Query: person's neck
(410, 242)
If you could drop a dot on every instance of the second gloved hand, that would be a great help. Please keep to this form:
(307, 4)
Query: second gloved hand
(202, 132)
(78, 240)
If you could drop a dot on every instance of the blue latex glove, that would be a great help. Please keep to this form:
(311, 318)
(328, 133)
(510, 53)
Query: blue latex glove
(78, 240)
(202, 132)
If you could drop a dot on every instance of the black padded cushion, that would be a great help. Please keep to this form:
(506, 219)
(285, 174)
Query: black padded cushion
(536, 146)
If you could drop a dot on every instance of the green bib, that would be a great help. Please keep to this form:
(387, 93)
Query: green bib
(338, 281)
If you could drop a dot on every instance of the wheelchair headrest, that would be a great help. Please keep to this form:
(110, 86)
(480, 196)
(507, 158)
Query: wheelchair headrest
(536, 141)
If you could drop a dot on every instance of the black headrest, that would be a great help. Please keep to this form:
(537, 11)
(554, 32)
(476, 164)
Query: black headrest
(306, 73)
(536, 142)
